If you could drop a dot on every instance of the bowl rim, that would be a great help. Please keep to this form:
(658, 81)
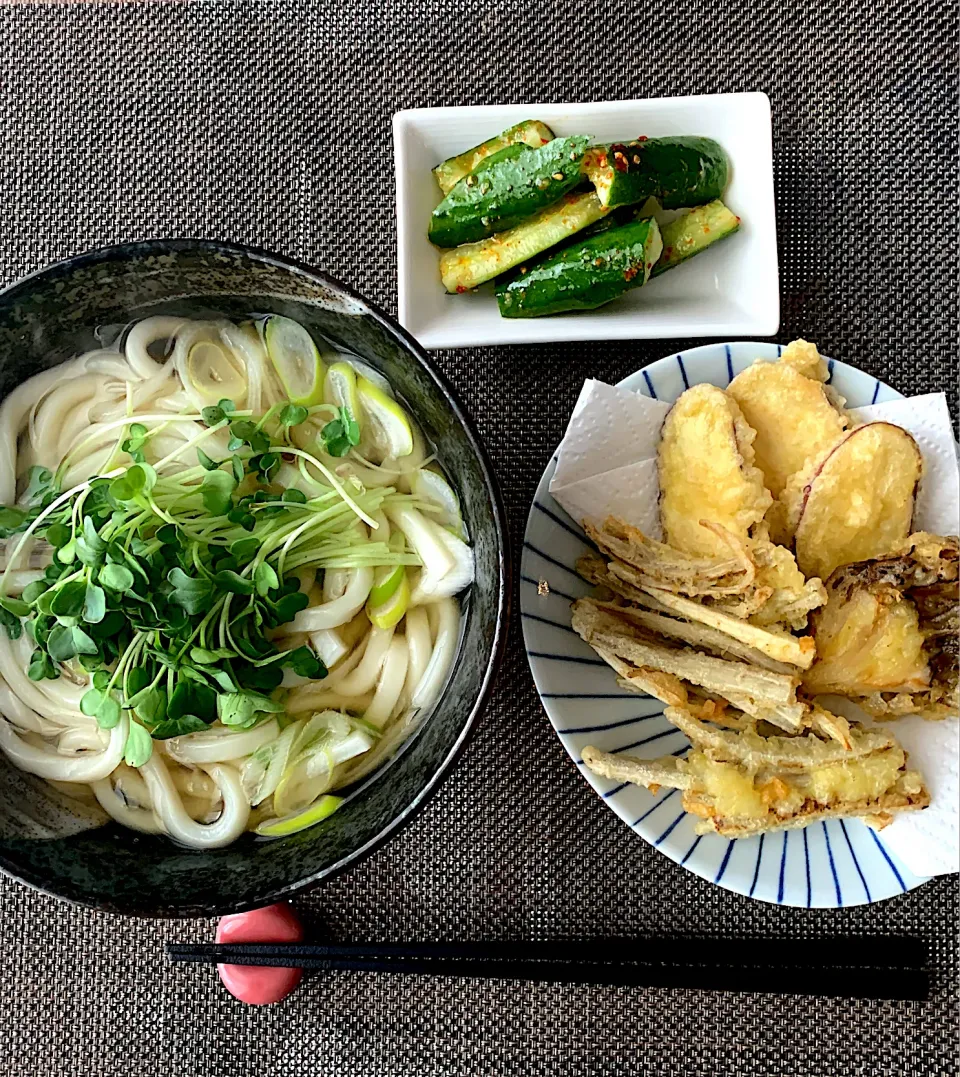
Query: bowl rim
(119, 252)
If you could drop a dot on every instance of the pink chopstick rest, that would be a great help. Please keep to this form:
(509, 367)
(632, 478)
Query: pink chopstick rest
(259, 985)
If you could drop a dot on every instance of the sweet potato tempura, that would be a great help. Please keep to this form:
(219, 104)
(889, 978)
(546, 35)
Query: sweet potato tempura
(706, 470)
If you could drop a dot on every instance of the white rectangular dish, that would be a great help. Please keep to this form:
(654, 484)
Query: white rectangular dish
(730, 290)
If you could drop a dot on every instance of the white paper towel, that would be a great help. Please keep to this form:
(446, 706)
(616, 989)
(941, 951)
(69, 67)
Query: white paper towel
(607, 466)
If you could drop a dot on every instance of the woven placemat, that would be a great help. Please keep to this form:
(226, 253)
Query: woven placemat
(269, 123)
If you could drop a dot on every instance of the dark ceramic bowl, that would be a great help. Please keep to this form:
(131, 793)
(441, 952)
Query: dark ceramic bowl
(48, 317)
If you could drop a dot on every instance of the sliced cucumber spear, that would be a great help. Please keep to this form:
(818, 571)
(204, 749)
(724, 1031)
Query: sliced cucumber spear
(529, 133)
(466, 267)
(586, 275)
(685, 170)
(296, 359)
(505, 189)
(694, 232)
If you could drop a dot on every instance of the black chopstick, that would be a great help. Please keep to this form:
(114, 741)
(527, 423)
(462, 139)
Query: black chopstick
(858, 967)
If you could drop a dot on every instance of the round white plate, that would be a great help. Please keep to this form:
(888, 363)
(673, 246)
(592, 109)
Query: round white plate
(827, 865)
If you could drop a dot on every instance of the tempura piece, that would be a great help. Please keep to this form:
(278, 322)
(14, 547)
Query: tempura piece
(697, 635)
(798, 651)
(787, 716)
(609, 634)
(787, 404)
(739, 783)
(888, 636)
(736, 803)
(783, 753)
(856, 500)
(791, 597)
(828, 724)
(707, 473)
(663, 686)
(758, 581)
(649, 772)
(729, 573)
(806, 360)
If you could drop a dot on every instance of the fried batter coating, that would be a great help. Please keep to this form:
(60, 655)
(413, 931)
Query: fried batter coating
(786, 403)
(856, 500)
(706, 470)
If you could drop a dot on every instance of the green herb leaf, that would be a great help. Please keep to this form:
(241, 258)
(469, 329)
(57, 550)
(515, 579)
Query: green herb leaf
(58, 535)
(138, 747)
(11, 624)
(16, 606)
(341, 434)
(68, 600)
(222, 679)
(177, 727)
(45, 601)
(102, 706)
(150, 704)
(243, 428)
(40, 486)
(34, 590)
(100, 680)
(241, 708)
(261, 678)
(66, 555)
(216, 489)
(293, 414)
(233, 582)
(169, 535)
(193, 698)
(192, 594)
(206, 657)
(213, 415)
(226, 405)
(12, 519)
(90, 702)
(293, 496)
(243, 549)
(41, 667)
(60, 643)
(265, 578)
(113, 623)
(305, 663)
(289, 606)
(94, 604)
(136, 481)
(82, 643)
(267, 465)
(238, 469)
(90, 548)
(206, 461)
(116, 578)
(350, 426)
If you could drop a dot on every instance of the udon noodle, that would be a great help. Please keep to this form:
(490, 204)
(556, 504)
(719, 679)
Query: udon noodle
(200, 506)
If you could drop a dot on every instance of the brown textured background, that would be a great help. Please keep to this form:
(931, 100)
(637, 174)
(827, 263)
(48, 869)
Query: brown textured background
(269, 123)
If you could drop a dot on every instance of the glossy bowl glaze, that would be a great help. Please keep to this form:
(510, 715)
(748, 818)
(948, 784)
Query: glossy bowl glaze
(49, 316)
